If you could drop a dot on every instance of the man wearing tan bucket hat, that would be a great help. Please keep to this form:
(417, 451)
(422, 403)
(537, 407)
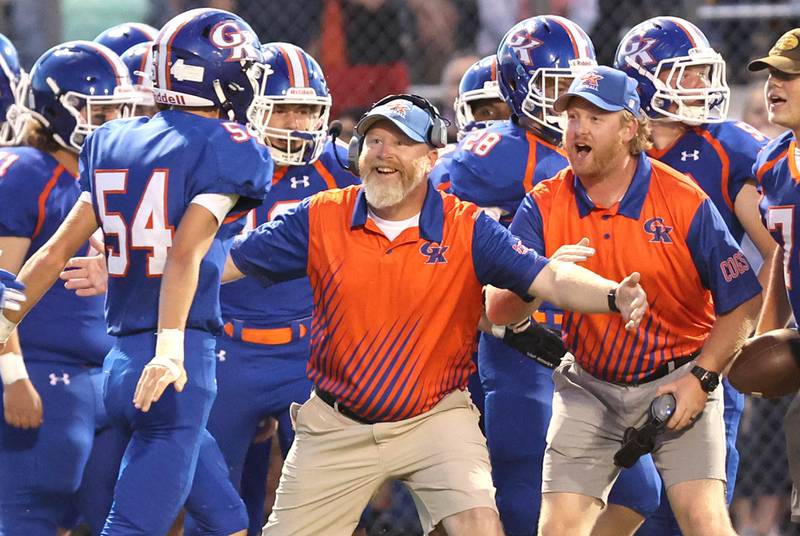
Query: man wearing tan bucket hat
(776, 169)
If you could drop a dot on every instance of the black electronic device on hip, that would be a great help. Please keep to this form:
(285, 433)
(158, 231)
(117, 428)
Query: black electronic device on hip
(639, 441)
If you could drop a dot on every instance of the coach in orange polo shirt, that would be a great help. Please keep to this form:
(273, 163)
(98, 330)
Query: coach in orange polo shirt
(397, 269)
(703, 296)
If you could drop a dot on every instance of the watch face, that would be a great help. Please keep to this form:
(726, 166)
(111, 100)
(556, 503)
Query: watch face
(708, 380)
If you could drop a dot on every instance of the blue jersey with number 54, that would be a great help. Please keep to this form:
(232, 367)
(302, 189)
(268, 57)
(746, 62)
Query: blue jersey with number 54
(142, 175)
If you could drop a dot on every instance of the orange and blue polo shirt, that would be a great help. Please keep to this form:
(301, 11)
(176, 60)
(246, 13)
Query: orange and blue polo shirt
(394, 322)
(667, 229)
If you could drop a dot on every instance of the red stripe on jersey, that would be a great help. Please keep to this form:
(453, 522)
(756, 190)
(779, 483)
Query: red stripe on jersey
(278, 174)
(42, 202)
(530, 166)
(724, 159)
(769, 164)
(325, 174)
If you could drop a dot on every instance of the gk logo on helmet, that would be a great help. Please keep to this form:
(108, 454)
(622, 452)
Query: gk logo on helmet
(228, 35)
(636, 51)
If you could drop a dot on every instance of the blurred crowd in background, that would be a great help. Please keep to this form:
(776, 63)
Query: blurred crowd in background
(370, 48)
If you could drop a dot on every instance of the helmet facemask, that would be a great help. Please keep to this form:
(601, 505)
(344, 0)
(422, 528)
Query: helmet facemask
(291, 147)
(91, 111)
(693, 106)
(463, 103)
(545, 86)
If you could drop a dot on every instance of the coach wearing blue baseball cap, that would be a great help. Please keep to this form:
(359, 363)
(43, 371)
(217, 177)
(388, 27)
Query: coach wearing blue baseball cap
(633, 213)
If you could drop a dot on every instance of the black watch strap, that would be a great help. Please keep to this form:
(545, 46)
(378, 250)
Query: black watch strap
(612, 300)
(708, 380)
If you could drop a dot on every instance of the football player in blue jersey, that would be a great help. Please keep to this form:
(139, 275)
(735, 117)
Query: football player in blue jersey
(777, 171)
(263, 352)
(11, 74)
(138, 59)
(494, 167)
(52, 399)
(123, 36)
(477, 104)
(161, 189)
(683, 89)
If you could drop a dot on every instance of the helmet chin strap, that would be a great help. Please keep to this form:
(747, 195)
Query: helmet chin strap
(224, 103)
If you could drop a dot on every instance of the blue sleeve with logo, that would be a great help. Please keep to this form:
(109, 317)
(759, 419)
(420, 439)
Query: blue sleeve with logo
(500, 258)
(527, 225)
(722, 266)
(277, 250)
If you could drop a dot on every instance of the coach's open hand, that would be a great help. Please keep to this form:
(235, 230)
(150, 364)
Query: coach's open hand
(690, 399)
(631, 301)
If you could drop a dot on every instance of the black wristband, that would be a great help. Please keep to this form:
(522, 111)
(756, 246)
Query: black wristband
(612, 300)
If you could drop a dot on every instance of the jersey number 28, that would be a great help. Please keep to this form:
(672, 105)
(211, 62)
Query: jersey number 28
(149, 229)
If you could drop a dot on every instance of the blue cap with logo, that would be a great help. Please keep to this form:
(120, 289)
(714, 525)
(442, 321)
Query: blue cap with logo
(607, 88)
(414, 121)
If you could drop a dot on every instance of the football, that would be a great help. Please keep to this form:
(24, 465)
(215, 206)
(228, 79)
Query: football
(769, 365)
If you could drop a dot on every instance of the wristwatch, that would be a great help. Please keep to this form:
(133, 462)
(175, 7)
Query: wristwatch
(612, 300)
(708, 380)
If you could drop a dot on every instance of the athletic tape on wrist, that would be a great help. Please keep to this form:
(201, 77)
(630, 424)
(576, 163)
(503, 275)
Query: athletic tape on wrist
(12, 368)
(7, 327)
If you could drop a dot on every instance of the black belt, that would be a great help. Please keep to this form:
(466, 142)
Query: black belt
(664, 369)
(332, 401)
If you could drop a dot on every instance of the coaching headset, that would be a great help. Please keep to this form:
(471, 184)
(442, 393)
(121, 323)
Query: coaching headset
(435, 135)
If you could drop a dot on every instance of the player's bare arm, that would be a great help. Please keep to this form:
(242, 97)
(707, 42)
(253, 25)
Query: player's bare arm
(775, 310)
(178, 286)
(746, 208)
(725, 339)
(38, 275)
(231, 272)
(22, 405)
(42, 269)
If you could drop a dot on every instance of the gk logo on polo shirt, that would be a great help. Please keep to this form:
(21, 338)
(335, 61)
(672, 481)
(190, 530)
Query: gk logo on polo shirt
(435, 254)
(660, 232)
(694, 155)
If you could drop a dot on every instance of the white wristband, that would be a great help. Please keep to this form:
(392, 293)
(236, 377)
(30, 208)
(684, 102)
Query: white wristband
(12, 368)
(498, 331)
(7, 327)
(169, 344)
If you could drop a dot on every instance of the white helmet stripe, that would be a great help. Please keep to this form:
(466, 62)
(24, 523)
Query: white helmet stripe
(578, 36)
(295, 64)
(163, 39)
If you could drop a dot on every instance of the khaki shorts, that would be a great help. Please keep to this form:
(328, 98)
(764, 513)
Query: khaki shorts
(590, 417)
(335, 465)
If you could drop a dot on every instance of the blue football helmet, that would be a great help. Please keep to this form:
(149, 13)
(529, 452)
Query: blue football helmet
(11, 76)
(295, 78)
(537, 59)
(74, 88)
(138, 60)
(478, 83)
(121, 37)
(208, 57)
(657, 54)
